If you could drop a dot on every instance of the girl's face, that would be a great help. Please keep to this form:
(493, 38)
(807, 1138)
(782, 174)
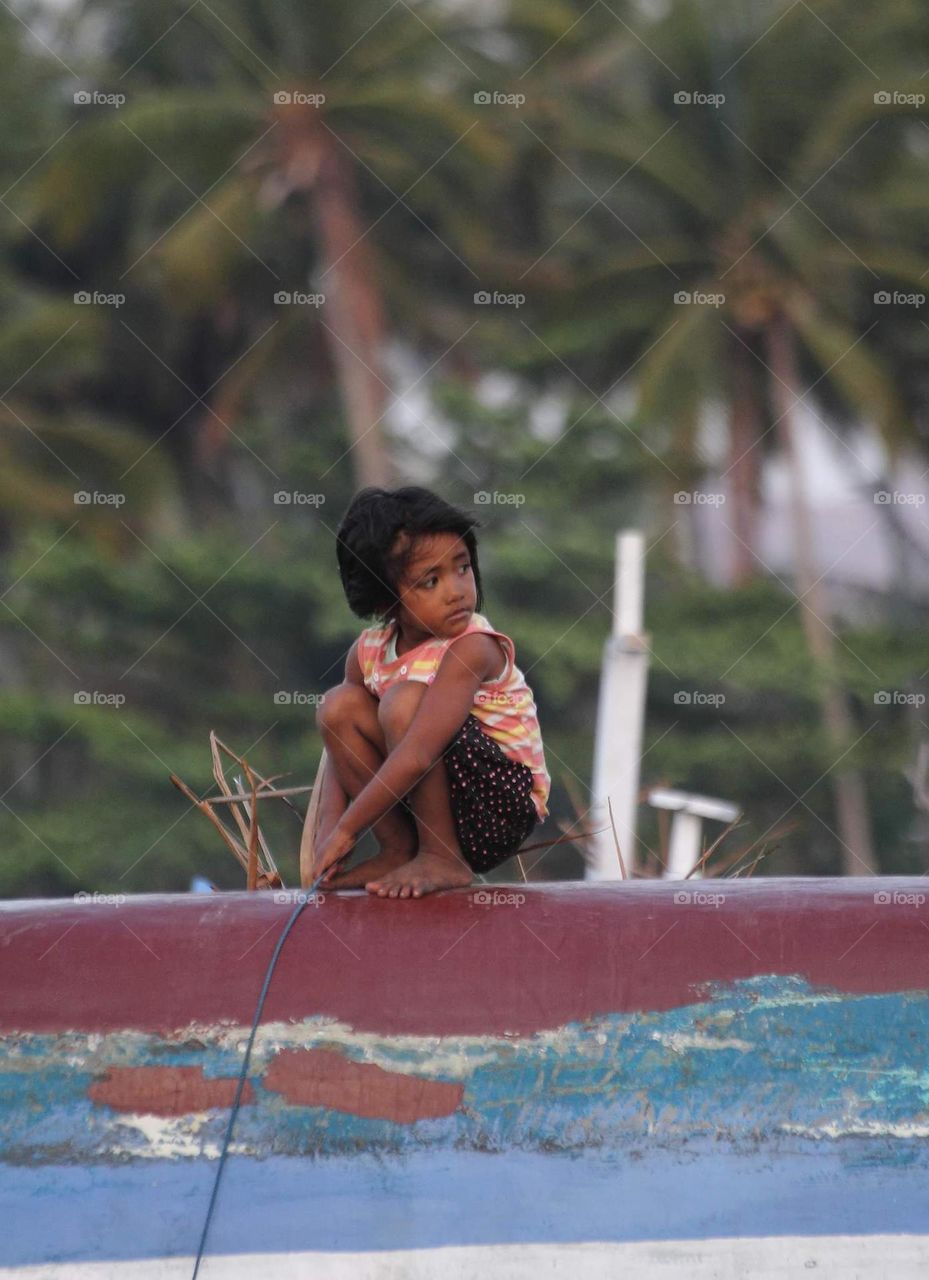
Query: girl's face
(437, 592)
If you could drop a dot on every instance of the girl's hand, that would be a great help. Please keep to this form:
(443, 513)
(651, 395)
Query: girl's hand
(335, 849)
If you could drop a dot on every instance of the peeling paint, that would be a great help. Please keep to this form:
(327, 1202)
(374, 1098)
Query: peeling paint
(679, 1041)
(766, 1059)
(164, 1091)
(857, 1128)
(165, 1138)
(322, 1078)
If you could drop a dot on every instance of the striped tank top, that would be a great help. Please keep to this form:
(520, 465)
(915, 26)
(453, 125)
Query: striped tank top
(504, 705)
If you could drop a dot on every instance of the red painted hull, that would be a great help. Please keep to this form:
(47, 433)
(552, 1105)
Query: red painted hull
(446, 965)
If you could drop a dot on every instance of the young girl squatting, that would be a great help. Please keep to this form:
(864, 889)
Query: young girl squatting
(432, 736)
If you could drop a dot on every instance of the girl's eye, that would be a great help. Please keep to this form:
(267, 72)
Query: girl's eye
(433, 579)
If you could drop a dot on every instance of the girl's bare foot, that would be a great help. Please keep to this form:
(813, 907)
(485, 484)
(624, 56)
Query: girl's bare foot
(389, 859)
(425, 873)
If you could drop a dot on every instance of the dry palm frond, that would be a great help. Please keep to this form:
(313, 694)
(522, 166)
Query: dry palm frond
(766, 850)
(707, 853)
(724, 870)
(252, 850)
(622, 865)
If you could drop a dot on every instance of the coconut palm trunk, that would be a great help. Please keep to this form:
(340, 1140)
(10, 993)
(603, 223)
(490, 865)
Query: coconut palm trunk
(851, 799)
(744, 435)
(312, 159)
(356, 308)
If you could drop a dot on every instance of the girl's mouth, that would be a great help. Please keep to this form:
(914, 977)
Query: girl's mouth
(456, 617)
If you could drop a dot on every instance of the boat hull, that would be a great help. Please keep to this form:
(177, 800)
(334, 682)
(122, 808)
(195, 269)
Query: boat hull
(714, 1079)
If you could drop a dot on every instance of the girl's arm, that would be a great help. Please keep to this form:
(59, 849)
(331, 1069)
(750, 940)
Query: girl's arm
(442, 711)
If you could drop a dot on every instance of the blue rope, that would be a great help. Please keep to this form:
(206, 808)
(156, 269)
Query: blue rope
(304, 898)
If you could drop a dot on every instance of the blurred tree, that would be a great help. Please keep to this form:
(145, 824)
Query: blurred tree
(266, 130)
(749, 165)
(200, 601)
(742, 161)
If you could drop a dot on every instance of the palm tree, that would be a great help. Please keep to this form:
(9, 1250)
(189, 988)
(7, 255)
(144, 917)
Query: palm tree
(48, 450)
(746, 158)
(297, 130)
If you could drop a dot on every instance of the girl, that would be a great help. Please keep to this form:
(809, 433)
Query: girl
(432, 736)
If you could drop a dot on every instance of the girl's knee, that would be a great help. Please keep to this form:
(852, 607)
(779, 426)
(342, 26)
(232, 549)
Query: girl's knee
(344, 703)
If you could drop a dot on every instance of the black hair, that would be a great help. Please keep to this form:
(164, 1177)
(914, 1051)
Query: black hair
(367, 534)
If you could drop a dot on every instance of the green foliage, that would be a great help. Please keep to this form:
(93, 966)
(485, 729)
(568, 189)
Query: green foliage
(197, 600)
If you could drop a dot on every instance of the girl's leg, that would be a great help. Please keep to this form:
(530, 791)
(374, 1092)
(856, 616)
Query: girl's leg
(348, 721)
(439, 863)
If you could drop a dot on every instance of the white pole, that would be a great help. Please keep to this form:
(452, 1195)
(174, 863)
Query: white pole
(685, 848)
(620, 716)
(684, 845)
(629, 583)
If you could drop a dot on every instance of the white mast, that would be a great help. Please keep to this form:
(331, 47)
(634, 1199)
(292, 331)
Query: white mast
(620, 715)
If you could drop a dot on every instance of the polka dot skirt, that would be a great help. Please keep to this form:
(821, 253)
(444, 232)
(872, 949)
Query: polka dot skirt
(490, 797)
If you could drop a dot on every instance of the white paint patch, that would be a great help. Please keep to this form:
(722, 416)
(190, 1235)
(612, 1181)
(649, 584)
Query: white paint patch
(166, 1137)
(679, 1041)
(440, 1057)
(767, 1258)
(859, 1128)
(437, 1056)
(796, 999)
